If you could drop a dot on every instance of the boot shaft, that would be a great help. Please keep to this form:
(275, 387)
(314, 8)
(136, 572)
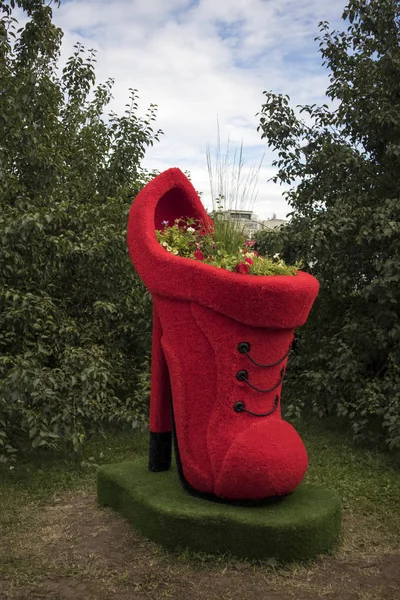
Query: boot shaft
(212, 403)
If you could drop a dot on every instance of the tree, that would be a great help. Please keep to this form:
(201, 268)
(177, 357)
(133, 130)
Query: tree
(345, 223)
(74, 317)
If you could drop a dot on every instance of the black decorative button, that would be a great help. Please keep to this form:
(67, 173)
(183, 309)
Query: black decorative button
(238, 407)
(243, 347)
(241, 375)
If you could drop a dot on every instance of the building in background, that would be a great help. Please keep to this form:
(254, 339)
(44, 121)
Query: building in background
(251, 223)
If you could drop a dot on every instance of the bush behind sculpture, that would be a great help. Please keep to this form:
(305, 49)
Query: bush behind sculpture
(345, 223)
(74, 318)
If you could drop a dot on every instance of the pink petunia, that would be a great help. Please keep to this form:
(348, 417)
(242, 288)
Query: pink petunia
(242, 268)
(199, 255)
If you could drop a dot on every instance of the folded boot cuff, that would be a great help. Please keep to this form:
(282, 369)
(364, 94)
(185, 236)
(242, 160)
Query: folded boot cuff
(279, 302)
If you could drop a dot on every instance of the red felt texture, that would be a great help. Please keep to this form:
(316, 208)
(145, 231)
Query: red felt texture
(201, 314)
(267, 459)
(276, 302)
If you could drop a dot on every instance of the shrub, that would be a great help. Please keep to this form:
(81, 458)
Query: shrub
(345, 222)
(74, 317)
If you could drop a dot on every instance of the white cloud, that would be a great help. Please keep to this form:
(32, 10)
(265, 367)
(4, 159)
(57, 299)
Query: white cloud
(199, 59)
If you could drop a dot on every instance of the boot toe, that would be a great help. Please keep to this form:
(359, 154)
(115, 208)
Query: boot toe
(268, 459)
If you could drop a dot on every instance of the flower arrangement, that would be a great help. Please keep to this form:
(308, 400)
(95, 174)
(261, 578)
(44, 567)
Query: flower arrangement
(194, 240)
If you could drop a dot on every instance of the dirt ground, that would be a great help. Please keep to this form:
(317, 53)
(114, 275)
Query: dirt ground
(70, 549)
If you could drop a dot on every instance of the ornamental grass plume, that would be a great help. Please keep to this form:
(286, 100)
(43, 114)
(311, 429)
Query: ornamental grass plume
(233, 186)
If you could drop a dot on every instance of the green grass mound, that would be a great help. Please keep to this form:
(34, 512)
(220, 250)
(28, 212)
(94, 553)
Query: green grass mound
(297, 527)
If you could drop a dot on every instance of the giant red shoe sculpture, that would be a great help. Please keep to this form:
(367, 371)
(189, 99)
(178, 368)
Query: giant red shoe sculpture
(220, 345)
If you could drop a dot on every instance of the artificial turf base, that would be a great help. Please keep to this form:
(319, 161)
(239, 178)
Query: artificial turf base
(296, 527)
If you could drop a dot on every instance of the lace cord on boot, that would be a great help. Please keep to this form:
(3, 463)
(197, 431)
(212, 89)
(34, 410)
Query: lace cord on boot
(240, 407)
(242, 375)
(244, 348)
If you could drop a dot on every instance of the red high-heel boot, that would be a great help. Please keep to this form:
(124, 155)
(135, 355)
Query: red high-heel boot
(220, 346)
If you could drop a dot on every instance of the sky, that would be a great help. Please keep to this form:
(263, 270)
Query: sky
(204, 62)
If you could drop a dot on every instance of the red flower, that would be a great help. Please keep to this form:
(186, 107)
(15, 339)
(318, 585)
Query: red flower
(242, 268)
(248, 260)
(255, 253)
(199, 255)
(249, 243)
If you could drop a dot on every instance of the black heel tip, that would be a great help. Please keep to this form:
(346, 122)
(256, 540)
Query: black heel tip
(160, 451)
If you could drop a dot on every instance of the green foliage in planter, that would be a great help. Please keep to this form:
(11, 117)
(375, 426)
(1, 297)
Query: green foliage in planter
(345, 223)
(192, 239)
(74, 317)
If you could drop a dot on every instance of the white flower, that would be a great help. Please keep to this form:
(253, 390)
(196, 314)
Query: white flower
(174, 251)
(165, 244)
(191, 229)
(276, 255)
